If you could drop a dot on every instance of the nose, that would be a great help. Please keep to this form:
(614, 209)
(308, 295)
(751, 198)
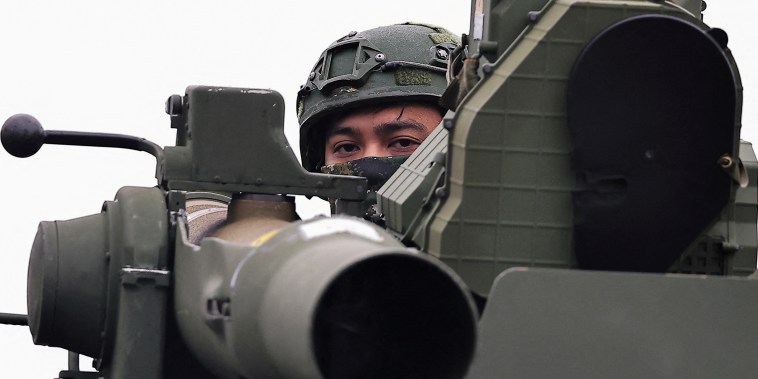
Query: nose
(375, 149)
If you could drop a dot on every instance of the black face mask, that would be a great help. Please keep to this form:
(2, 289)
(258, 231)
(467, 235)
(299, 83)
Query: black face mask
(376, 169)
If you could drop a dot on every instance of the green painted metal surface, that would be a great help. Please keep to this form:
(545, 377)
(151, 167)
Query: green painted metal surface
(542, 323)
(510, 175)
(471, 271)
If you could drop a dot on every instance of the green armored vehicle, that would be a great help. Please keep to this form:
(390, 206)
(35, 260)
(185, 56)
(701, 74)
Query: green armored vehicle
(586, 209)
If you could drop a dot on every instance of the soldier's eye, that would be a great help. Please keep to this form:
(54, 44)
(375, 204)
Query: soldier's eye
(404, 145)
(345, 149)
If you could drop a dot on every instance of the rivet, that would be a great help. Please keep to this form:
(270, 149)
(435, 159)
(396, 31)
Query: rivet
(379, 57)
(441, 192)
(726, 161)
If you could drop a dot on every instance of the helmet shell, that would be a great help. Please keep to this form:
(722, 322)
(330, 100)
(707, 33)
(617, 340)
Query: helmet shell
(401, 62)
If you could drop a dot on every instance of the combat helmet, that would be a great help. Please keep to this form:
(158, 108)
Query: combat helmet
(401, 62)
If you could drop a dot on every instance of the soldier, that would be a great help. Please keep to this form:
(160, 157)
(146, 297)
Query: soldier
(373, 94)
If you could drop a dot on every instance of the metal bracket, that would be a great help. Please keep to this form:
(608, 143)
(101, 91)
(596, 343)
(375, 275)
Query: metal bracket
(135, 276)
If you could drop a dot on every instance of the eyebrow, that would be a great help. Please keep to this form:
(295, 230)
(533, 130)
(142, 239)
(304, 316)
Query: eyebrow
(381, 129)
(397, 125)
(342, 130)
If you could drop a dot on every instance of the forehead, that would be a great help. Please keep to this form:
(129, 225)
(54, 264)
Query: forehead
(372, 116)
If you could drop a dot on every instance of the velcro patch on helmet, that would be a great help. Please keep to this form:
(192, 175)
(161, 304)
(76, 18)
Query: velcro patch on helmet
(409, 76)
(440, 34)
(448, 37)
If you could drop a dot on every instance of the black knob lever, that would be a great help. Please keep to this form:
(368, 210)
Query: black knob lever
(22, 136)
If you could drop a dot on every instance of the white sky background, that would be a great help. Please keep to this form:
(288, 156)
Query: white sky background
(108, 67)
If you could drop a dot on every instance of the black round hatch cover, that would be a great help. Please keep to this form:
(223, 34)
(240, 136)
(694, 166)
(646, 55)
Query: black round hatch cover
(652, 102)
